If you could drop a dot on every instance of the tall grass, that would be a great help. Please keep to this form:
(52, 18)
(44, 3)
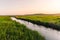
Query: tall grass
(12, 30)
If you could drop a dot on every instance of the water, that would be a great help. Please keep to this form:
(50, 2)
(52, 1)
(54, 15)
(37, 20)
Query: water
(48, 33)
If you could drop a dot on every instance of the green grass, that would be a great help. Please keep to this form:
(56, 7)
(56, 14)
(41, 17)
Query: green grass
(52, 21)
(12, 30)
(43, 18)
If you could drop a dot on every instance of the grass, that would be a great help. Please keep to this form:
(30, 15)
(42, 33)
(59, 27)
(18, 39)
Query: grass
(51, 21)
(12, 30)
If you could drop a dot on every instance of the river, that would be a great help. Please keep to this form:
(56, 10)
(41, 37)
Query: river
(48, 33)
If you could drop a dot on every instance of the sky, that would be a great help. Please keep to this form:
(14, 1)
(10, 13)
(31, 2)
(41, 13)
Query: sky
(21, 7)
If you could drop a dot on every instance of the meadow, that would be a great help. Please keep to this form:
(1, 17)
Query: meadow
(12, 30)
(49, 21)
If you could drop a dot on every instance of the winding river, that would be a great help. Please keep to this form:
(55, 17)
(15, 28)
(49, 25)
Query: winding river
(48, 33)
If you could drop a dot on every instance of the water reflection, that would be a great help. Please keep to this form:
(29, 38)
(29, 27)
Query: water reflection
(48, 33)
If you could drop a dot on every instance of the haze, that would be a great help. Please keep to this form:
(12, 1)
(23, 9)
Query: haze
(21, 7)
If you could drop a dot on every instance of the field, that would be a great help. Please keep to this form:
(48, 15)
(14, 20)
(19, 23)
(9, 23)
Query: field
(11, 30)
(50, 21)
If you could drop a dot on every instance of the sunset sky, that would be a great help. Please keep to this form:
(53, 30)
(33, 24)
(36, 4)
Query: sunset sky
(18, 7)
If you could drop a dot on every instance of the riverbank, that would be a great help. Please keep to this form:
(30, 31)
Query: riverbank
(12, 30)
(28, 34)
(48, 33)
(51, 21)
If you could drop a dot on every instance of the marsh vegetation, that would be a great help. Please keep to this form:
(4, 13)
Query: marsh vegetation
(12, 30)
(49, 21)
